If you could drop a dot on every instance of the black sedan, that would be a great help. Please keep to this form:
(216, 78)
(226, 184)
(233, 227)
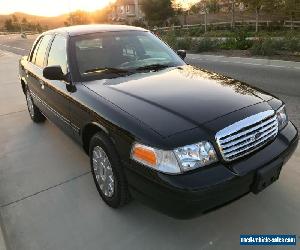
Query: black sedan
(182, 139)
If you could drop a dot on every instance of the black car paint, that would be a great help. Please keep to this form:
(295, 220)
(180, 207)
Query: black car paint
(200, 191)
(164, 109)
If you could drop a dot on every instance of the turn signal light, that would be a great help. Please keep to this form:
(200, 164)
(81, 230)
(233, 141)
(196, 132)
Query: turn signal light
(144, 154)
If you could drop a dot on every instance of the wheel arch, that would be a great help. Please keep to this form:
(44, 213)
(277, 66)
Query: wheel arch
(24, 85)
(89, 130)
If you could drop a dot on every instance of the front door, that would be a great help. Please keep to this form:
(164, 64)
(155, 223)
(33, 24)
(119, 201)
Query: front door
(56, 93)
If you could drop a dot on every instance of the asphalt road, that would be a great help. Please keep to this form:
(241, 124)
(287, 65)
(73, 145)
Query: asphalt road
(282, 81)
(16, 44)
(48, 199)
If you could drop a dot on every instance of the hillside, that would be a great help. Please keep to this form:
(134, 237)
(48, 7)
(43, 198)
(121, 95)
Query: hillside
(51, 22)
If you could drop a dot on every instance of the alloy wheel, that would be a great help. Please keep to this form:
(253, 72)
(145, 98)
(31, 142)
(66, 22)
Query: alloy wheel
(103, 171)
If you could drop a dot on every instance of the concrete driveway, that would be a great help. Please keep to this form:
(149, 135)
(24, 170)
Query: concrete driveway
(48, 199)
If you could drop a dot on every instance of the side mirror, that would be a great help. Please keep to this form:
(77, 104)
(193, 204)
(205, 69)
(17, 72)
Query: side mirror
(181, 53)
(53, 73)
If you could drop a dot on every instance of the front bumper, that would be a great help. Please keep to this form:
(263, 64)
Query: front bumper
(199, 191)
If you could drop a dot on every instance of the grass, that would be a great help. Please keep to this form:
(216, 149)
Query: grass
(199, 32)
(263, 45)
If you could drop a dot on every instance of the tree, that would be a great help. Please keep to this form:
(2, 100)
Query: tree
(157, 12)
(101, 16)
(15, 19)
(232, 14)
(24, 20)
(78, 17)
(179, 10)
(38, 28)
(292, 9)
(9, 25)
(258, 5)
(24, 25)
(213, 6)
(196, 8)
(15, 23)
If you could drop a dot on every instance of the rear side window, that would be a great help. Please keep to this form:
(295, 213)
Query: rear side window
(41, 51)
(58, 53)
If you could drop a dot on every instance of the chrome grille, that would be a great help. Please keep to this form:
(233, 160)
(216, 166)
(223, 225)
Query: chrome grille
(247, 135)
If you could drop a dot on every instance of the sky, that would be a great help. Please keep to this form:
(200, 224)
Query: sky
(55, 7)
(49, 7)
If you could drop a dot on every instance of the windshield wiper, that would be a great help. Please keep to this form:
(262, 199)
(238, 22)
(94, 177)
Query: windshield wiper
(107, 70)
(156, 66)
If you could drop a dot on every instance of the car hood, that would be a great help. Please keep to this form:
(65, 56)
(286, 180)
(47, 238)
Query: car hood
(177, 99)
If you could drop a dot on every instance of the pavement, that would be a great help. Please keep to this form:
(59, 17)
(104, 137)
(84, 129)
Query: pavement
(48, 199)
(15, 44)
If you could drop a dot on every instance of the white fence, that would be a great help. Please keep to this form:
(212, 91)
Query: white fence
(285, 24)
(292, 24)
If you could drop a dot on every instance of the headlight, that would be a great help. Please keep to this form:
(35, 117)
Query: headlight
(282, 117)
(196, 155)
(175, 161)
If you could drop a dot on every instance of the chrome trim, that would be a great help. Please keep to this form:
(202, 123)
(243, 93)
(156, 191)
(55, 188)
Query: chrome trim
(61, 117)
(247, 135)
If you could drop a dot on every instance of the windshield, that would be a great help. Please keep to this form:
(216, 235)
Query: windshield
(119, 53)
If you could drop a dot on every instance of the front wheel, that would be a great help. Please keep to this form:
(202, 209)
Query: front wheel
(34, 112)
(107, 172)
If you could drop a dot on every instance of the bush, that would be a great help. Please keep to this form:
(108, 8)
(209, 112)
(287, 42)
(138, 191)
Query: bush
(278, 44)
(263, 47)
(205, 44)
(219, 33)
(292, 44)
(275, 27)
(171, 39)
(241, 39)
(228, 44)
(196, 31)
(184, 43)
(174, 21)
(139, 23)
(268, 46)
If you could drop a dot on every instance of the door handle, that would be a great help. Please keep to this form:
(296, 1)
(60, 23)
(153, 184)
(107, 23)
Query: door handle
(42, 84)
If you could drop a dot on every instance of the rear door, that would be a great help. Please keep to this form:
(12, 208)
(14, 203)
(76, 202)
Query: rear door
(34, 71)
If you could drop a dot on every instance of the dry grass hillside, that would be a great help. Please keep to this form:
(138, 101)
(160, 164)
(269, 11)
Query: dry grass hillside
(51, 22)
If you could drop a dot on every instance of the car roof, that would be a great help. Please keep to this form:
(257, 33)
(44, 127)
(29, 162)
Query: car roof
(92, 28)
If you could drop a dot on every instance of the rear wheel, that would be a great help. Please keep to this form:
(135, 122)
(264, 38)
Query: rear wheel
(107, 172)
(34, 112)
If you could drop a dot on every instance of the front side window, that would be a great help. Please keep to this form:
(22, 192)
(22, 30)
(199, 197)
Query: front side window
(58, 53)
(127, 51)
(41, 52)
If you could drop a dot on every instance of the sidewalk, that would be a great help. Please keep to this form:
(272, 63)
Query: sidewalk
(246, 60)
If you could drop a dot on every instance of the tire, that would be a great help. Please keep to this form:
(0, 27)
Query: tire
(34, 112)
(114, 193)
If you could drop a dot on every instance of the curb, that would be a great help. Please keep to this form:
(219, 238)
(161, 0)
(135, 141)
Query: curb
(2, 242)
